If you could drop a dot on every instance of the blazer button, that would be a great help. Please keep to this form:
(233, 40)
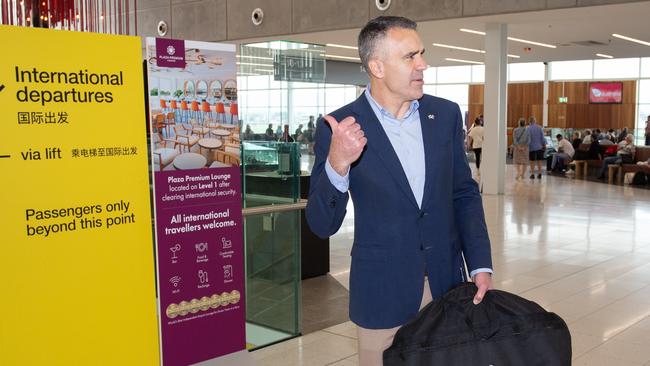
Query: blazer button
(332, 204)
(422, 214)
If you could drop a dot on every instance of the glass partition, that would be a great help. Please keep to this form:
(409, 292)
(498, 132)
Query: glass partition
(271, 191)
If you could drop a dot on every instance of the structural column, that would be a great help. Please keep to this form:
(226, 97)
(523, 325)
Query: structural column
(547, 76)
(495, 144)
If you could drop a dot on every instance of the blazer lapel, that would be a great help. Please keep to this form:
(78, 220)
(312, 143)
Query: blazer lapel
(379, 143)
(428, 123)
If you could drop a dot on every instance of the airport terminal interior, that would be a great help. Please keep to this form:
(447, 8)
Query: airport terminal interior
(575, 243)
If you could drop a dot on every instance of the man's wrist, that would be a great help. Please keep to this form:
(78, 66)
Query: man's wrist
(340, 169)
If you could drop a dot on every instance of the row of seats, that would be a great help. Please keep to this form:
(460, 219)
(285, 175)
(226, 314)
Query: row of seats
(193, 110)
(582, 166)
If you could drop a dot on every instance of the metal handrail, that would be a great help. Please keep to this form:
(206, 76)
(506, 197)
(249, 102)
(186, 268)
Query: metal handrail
(250, 211)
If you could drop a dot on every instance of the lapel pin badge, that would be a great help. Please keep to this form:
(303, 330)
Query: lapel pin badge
(432, 116)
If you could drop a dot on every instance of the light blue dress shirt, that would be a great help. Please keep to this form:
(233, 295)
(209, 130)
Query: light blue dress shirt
(405, 135)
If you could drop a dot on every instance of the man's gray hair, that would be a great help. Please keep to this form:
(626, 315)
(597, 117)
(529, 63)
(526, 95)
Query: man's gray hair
(375, 31)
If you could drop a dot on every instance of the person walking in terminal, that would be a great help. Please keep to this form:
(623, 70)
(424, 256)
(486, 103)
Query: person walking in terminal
(475, 141)
(624, 154)
(536, 147)
(520, 141)
(399, 154)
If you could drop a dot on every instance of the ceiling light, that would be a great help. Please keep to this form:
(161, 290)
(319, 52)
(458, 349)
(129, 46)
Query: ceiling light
(465, 61)
(631, 39)
(458, 48)
(467, 49)
(341, 46)
(471, 31)
(604, 55)
(531, 42)
(510, 38)
(257, 57)
(343, 57)
(254, 64)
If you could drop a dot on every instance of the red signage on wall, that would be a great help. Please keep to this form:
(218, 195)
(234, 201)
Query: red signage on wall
(606, 92)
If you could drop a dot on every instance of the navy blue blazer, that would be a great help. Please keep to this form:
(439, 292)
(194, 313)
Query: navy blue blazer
(395, 242)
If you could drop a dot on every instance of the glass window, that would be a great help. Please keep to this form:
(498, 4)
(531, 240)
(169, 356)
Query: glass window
(616, 68)
(258, 82)
(456, 93)
(277, 115)
(644, 112)
(242, 81)
(430, 75)
(645, 67)
(429, 89)
(298, 84)
(334, 98)
(305, 97)
(279, 84)
(478, 73)
(644, 91)
(350, 94)
(526, 71)
(258, 98)
(454, 74)
(572, 70)
(256, 115)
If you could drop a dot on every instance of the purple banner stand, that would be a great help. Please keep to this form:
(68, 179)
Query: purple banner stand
(200, 264)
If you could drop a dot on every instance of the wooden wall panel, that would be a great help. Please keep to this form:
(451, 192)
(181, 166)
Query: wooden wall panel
(524, 100)
(579, 113)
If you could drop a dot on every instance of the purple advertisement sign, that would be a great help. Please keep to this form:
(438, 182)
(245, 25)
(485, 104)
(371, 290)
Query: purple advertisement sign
(197, 188)
(200, 264)
(170, 53)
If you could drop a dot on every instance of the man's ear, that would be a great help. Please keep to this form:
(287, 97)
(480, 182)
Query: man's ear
(376, 68)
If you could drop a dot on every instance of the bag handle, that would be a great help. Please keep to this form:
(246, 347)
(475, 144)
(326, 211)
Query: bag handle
(470, 311)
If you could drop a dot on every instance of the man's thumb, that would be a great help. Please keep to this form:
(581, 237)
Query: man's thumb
(332, 121)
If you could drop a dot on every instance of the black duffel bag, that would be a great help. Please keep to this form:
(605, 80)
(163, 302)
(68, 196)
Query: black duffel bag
(503, 330)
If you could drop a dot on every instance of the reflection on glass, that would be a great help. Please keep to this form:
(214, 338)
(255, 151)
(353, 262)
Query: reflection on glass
(230, 90)
(201, 89)
(216, 89)
(188, 88)
(271, 176)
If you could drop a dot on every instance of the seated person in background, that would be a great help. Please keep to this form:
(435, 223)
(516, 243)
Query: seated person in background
(298, 136)
(248, 133)
(564, 154)
(576, 141)
(587, 137)
(606, 141)
(644, 163)
(624, 154)
(278, 132)
(286, 136)
(622, 135)
(311, 124)
(592, 154)
(269, 135)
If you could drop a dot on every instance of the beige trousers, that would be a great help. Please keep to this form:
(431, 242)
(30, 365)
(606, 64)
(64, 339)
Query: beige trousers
(373, 342)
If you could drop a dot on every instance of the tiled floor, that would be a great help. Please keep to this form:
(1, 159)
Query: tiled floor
(579, 248)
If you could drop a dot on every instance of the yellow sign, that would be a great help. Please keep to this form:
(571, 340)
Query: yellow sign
(76, 254)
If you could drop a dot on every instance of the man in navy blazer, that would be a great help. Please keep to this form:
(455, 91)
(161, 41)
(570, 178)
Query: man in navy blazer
(418, 213)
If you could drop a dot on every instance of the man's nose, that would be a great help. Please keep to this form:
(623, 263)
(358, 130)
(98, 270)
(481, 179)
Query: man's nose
(421, 64)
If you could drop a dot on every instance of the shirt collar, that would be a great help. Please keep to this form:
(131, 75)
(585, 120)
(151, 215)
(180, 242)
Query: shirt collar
(415, 105)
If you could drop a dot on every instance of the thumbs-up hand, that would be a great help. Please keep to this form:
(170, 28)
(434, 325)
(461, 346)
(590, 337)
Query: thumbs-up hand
(348, 141)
